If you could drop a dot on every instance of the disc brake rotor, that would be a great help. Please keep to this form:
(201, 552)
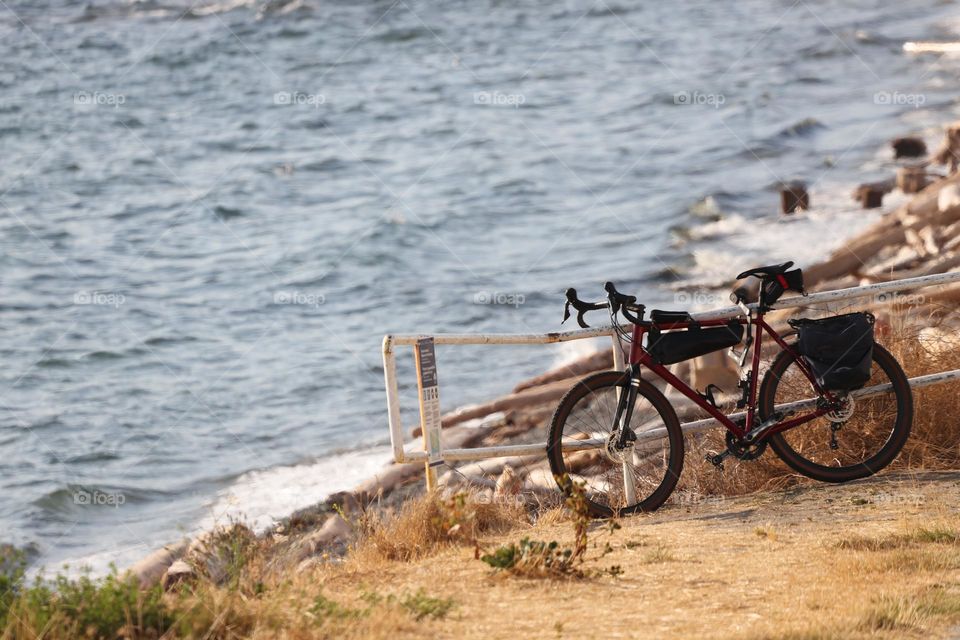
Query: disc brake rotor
(616, 454)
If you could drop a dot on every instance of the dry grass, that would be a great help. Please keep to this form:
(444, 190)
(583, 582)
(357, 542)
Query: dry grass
(425, 525)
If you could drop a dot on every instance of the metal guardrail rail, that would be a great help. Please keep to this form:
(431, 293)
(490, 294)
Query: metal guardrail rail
(434, 453)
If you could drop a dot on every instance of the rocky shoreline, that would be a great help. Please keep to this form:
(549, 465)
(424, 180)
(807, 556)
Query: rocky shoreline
(919, 238)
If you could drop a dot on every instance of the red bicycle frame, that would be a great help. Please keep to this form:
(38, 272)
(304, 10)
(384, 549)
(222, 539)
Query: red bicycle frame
(639, 356)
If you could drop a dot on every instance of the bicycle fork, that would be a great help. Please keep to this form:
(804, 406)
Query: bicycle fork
(622, 437)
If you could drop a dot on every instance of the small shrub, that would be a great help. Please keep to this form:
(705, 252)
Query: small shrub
(538, 558)
(534, 558)
(765, 532)
(325, 609)
(423, 606)
(658, 554)
(431, 522)
(12, 570)
(109, 607)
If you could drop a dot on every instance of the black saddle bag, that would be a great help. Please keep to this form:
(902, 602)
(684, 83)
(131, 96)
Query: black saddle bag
(677, 346)
(772, 288)
(838, 349)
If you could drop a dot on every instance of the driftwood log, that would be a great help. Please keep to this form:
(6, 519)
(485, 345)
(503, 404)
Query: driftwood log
(923, 210)
(949, 152)
(912, 179)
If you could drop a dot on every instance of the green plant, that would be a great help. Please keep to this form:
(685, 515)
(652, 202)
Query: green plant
(539, 558)
(422, 606)
(12, 570)
(107, 607)
(532, 558)
(231, 551)
(112, 604)
(325, 609)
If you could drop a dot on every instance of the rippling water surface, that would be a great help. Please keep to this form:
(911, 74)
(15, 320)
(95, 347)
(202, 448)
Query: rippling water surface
(211, 213)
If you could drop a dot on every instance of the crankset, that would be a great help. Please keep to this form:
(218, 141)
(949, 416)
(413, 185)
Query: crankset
(739, 450)
(745, 450)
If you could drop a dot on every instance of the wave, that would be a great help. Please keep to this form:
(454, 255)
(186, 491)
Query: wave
(226, 213)
(261, 498)
(74, 498)
(801, 128)
(404, 34)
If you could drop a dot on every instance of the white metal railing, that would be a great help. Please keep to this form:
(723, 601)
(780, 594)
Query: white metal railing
(434, 453)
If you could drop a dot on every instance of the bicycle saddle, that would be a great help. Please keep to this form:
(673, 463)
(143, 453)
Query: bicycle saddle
(766, 272)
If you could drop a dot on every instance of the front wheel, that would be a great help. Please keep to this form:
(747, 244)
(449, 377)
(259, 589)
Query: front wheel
(582, 447)
(855, 443)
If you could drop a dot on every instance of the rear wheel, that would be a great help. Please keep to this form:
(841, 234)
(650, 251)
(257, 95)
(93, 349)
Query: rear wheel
(853, 443)
(581, 446)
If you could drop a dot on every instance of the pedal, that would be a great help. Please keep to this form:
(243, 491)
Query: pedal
(717, 460)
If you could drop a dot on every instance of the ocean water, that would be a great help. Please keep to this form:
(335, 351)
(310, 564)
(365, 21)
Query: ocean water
(211, 212)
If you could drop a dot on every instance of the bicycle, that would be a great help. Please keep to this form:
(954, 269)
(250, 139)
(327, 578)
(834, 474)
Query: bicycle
(616, 434)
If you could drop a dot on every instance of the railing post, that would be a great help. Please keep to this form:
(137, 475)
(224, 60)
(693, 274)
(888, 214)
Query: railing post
(393, 399)
(617, 353)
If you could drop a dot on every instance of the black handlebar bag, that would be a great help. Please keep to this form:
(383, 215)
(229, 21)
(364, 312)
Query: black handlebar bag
(839, 349)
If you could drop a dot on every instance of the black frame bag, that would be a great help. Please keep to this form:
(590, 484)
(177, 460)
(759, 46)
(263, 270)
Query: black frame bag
(838, 349)
(677, 346)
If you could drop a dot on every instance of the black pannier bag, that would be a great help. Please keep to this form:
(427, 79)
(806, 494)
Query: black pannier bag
(772, 288)
(838, 349)
(677, 346)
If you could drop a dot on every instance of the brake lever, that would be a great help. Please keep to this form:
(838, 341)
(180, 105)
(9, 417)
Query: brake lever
(578, 305)
(580, 320)
(612, 297)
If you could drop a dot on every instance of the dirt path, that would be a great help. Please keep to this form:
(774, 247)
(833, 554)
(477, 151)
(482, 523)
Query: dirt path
(875, 558)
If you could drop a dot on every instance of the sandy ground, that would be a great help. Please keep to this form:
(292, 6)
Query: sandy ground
(873, 558)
